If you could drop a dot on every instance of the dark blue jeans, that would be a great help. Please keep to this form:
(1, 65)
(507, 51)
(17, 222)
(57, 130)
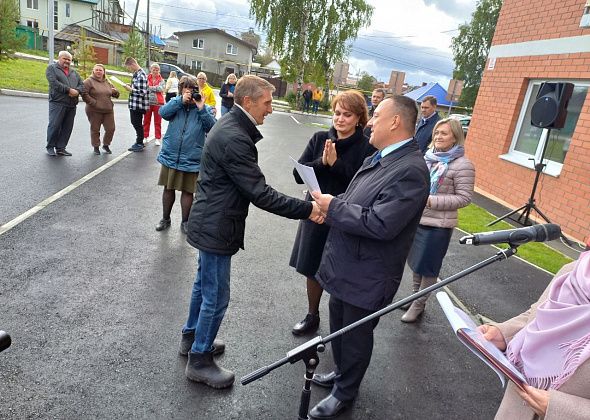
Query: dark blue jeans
(209, 299)
(316, 105)
(61, 123)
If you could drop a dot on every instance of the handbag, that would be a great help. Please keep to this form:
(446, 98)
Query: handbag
(153, 99)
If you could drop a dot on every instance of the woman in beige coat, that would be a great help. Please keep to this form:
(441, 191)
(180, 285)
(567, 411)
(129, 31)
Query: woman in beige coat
(452, 176)
(550, 345)
(98, 92)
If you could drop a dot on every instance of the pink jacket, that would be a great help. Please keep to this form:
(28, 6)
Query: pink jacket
(455, 192)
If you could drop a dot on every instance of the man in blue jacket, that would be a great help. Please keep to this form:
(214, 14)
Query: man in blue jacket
(372, 227)
(65, 87)
(429, 119)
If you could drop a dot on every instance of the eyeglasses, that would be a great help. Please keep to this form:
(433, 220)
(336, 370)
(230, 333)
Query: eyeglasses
(201, 78)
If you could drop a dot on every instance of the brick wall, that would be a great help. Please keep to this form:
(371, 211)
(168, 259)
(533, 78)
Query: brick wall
(542, 19)
(564, 199)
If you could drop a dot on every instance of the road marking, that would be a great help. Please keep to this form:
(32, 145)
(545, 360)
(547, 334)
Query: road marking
(295, 119)
(36, 209)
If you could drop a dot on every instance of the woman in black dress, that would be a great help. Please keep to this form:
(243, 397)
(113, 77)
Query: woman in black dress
(335, 155)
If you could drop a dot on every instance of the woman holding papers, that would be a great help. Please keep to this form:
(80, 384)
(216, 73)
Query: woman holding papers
(452, 176)
(335, 156)
(550, 345)
(156, 85)
(98, 94)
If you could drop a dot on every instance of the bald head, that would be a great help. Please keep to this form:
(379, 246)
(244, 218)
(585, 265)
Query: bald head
(393, 121)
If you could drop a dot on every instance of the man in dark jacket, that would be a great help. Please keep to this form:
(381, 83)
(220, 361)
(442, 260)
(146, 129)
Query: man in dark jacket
(65, 86)
(429, 119)
(230, 179)
(372, 226)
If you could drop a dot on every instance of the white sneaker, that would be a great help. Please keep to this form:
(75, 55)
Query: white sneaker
(145, 140)
(157, 142)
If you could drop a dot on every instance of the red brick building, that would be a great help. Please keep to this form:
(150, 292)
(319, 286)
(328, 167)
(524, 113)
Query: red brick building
(535, 42)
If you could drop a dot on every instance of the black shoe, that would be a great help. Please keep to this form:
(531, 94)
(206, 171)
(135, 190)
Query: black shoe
(325, 380)
(107, 149)
(309, 324)
(136, 148)
(63, 152)
(328, 408)
(163, 224)
(96, 151)
(201, 367)
(51, 151)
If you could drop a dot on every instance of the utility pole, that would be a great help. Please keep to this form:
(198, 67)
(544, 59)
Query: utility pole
(149, 36)
(300, 76)
(50, 42)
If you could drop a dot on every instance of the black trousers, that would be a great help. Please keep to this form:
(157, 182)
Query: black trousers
(352, 351)
(61, 123)
(137, 123)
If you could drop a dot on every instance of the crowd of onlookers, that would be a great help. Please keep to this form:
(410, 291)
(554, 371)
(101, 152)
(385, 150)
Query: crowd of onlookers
(391, 186)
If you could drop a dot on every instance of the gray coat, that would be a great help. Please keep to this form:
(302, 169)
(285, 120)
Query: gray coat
(372, 227)
(60, 85)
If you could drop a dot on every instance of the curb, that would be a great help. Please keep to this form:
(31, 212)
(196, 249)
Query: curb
(24, 94)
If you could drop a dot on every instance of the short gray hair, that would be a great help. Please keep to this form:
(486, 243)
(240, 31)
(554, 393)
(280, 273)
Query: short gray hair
(251, 86)
(64, 53)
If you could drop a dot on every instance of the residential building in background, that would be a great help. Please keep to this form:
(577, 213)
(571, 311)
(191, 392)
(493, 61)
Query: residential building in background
(340, 76)
(550, 44)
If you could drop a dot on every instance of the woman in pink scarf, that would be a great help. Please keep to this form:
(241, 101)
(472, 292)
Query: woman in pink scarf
(550, 345)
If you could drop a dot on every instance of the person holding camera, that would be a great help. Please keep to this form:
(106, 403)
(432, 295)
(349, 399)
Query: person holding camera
(189, 119)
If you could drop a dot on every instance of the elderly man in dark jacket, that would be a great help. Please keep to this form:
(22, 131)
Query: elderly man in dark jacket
(372, 226)
(230, 179)
(65, 86)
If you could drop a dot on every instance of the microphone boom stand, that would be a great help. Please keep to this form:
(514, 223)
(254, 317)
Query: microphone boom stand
(308, 351)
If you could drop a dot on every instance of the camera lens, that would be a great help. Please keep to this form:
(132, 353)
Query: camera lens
(196, 96)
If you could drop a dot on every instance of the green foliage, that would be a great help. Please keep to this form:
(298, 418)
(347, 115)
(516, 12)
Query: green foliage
(475, 219)
(84, 55)
(9, 41)
(291, 97)
(471, 47)
(311, 37)
(135, 47)
(366, 82)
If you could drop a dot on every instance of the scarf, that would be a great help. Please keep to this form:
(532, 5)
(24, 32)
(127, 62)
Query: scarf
(553, 345)
(438, 162)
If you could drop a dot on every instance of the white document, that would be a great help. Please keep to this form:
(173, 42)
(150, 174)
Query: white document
(117, 80)
(468, 334)
(307, 174)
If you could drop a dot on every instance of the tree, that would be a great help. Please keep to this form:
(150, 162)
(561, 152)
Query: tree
(135, 47)
(9, 41)
(251, 37)
(366, 82)
(84, 55)
(311, 37)
(471, 47)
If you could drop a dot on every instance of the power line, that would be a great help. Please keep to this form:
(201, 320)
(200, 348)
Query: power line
(394, 60)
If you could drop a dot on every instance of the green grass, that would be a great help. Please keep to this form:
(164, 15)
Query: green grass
(29, 76)
(474, 219)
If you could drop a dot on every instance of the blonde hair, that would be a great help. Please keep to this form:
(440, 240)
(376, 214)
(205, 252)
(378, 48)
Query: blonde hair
(172, 75)
(230, 75)
(353, 101)
(455, 127)
(202, 74)
(155, 65)
(104, 74)
(251, 86)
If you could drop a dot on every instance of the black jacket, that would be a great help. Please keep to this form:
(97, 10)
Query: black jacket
(424, 131)
(372, 227)
(60, 84)
(230, 179)
(226, 101)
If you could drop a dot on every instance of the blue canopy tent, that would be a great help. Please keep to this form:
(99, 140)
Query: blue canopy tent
(157, 41)
(430, 89)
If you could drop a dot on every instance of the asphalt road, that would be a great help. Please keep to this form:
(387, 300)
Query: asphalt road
(94, 298)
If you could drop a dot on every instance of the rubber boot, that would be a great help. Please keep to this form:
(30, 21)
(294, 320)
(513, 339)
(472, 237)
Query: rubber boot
(187, 340)
(417, 306)
(416, 281)
(202, 368)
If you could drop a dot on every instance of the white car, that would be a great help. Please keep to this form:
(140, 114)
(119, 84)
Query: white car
(464, 120)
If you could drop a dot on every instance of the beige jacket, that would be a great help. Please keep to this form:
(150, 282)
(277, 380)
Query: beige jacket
(97, 95)
(571, 401)
(455, 192)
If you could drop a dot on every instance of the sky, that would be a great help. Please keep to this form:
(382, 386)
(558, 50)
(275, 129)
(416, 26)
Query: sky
(413, 36)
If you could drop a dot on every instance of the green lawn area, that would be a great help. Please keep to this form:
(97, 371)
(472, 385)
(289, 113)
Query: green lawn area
(29, 75)
(474, 219)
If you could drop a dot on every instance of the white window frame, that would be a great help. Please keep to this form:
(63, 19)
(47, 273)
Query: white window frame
(552, 168)
(68, 9)
(34, 4)
(33, 23)
(200, 43)
(55, 15)
(196, 65)
(231, 49)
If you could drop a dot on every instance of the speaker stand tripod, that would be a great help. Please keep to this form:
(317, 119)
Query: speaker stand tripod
(524, 217)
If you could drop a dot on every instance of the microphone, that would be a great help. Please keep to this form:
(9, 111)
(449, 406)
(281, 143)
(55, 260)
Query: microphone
(4, 341)
(536, 233)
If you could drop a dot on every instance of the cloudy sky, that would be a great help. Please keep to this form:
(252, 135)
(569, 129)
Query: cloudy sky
(413, 36)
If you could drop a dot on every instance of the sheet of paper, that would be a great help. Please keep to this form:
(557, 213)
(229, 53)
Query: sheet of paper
(307, 174)
(117, 80)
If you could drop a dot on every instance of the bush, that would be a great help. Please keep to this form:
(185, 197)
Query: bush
(291, 98)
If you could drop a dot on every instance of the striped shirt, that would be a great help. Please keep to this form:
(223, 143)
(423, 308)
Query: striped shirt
(138, 97)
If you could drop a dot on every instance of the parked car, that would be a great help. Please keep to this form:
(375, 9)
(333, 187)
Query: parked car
(464, 120)
(166, 68)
